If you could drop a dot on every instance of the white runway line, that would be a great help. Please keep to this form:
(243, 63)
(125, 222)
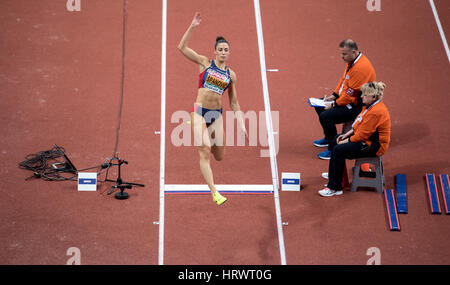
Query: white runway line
(273, 160)
(441, 30)
(162, 134)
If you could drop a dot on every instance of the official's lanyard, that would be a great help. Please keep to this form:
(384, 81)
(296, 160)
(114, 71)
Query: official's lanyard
(348, 69)
(360, 116)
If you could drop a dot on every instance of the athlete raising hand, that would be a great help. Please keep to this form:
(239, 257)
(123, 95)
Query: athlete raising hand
(206, 116)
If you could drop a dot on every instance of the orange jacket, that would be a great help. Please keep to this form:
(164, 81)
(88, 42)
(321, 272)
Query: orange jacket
(372, 119)
(355, 75)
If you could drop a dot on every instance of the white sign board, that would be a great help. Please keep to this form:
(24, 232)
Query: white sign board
(290, 181)
(87, 181)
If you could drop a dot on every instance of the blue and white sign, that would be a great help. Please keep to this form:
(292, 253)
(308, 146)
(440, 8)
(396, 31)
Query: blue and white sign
(290, 181)
(87, 181)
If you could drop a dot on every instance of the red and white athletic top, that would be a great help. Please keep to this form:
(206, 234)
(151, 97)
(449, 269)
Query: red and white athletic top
(215, 79)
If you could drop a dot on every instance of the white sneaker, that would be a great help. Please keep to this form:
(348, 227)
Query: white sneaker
(325, 175)
(327, 192)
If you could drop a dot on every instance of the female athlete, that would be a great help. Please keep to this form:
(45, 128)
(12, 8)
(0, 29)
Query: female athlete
(206, 116)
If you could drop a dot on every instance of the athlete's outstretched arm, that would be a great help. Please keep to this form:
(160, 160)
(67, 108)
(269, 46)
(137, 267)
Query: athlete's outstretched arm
(234, 103)
(183, 45)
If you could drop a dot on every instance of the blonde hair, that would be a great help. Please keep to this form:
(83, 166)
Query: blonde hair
(374, 88)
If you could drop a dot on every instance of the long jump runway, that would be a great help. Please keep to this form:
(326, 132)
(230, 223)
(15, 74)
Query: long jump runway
(244, 230)
(60, 82)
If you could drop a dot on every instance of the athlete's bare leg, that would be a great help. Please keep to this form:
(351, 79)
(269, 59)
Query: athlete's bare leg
(217, 135)
(201, 139)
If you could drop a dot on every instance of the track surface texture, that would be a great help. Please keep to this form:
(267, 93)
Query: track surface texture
(60, 83)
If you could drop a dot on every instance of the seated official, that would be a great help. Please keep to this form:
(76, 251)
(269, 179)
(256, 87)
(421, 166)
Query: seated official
(344, 104)
(370, 136)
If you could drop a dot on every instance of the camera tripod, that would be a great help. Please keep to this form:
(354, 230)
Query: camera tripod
(120, 184)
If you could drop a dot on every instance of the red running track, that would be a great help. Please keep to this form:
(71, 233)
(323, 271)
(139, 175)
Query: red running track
(60, 83)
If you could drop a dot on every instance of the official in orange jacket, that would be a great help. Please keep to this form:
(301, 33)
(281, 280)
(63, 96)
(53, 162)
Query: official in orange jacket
(344, 104)
(370, 136)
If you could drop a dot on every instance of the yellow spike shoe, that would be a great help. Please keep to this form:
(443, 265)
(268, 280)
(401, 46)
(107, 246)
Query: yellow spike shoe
(219, 199)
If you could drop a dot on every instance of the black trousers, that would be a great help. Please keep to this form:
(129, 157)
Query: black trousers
(336, 115)
(341, 152)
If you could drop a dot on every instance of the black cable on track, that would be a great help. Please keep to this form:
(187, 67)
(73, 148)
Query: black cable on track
(122, 83)
(40, 163)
